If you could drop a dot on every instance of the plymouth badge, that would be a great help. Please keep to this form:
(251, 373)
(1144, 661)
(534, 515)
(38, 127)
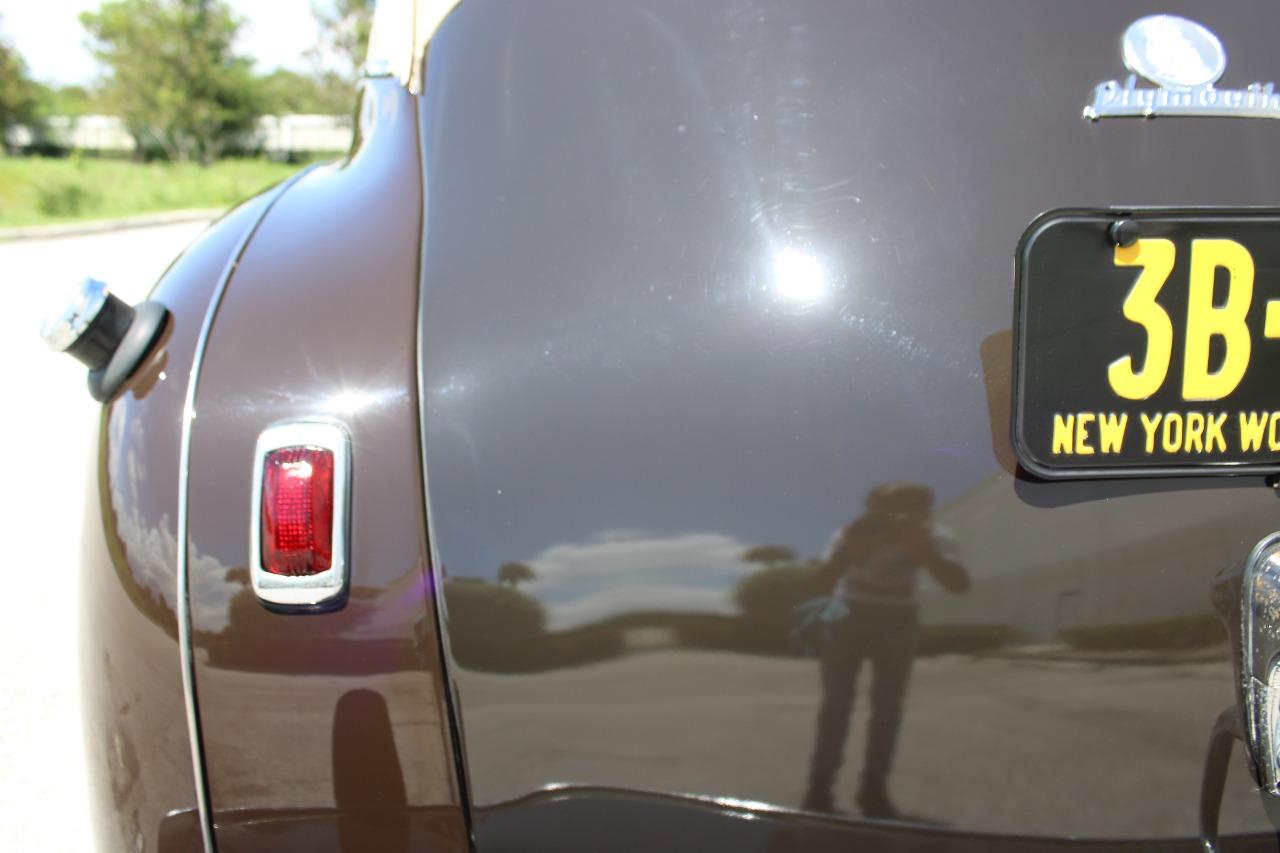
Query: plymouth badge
(1184, 59)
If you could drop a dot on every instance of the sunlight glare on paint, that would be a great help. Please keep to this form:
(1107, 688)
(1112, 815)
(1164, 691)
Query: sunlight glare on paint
(798, 276)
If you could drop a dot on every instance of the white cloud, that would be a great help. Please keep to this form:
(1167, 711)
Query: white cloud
(620, 571)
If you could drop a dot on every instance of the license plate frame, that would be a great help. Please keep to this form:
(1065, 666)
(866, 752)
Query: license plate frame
(1070, 295)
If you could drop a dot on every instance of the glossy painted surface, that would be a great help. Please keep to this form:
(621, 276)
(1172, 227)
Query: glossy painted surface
(139, 752)
(698, 277)
(338, 712)
(595, 819)
(319, 830)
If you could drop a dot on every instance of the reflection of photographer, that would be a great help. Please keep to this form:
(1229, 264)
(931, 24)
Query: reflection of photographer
(872, 567)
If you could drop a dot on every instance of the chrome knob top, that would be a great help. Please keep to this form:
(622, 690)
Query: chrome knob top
(63, 328)
(90, 326)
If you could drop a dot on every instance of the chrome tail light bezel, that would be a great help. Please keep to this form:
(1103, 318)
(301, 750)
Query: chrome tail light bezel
(325, 590)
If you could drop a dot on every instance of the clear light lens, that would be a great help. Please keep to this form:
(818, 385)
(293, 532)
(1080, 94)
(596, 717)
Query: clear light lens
(297, 511)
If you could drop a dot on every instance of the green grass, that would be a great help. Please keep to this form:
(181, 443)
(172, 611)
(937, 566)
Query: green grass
(37, 191)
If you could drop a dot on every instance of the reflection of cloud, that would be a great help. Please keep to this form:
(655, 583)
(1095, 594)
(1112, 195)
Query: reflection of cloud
(152, 553)
(620, 571)
(152, 550)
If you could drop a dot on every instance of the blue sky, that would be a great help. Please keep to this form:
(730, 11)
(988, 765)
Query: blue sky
(49, 36)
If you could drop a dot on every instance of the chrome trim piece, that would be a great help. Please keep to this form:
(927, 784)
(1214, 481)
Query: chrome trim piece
(184, 466)
(1173, 51)
(1260, 660)
(303, 592)
(1184, 59)
(1111, 100)
(84, 304)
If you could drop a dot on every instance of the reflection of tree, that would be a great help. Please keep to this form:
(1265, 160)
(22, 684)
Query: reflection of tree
(354, 639)
(769, 555)
(768, 597)
(474, 600)
(514, 574)
(498, 627)
(1174, 633)
(492, 626)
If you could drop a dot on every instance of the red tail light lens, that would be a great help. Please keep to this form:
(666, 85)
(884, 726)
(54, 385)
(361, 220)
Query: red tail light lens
(297, 511)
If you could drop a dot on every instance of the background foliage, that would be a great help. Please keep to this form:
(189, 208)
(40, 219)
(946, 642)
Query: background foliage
(175, 79)
(38, 190)
(344, 29)
(17, 92)
(173, 74)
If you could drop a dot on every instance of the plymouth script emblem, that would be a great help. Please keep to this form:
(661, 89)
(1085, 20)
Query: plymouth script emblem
(1184, 59)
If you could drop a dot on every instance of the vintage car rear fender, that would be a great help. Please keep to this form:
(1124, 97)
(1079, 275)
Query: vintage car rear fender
(336, 714)
(321, 728)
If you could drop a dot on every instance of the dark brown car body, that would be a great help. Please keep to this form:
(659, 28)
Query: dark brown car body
(540, 295)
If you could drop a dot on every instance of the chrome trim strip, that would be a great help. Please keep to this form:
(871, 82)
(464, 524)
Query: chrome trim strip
(304, 593)
(184, 465)
(436, 588)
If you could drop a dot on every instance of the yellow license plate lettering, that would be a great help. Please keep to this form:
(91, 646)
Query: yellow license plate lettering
(1206, 320)
(1155, 256)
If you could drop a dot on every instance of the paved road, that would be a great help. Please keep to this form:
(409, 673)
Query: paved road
(45, 431)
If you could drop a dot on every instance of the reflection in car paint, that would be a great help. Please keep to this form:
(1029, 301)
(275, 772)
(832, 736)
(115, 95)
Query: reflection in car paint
(644, 406)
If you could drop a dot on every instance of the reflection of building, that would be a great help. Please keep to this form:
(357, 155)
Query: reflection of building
(1102, 561)
(272, 134)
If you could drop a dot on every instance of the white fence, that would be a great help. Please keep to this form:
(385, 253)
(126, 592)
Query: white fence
(273, 134)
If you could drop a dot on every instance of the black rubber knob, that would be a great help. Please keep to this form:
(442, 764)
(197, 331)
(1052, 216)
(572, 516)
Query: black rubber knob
(102, 338)
(149, 319)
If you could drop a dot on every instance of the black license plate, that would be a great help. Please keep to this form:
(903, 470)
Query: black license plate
(1161, 357)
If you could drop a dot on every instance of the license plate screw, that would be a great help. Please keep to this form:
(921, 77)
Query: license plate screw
(1124, 232)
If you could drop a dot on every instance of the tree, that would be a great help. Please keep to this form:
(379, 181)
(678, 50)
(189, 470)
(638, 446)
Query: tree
(514, 574)
(769, 554)
(72, 101)
(475, 606)
(769, 597)
(344, 29)
(17, 92)
(283, 92)
(174, 78)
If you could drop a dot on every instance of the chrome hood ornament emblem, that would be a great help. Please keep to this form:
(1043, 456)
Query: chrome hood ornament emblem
(1184, 59)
